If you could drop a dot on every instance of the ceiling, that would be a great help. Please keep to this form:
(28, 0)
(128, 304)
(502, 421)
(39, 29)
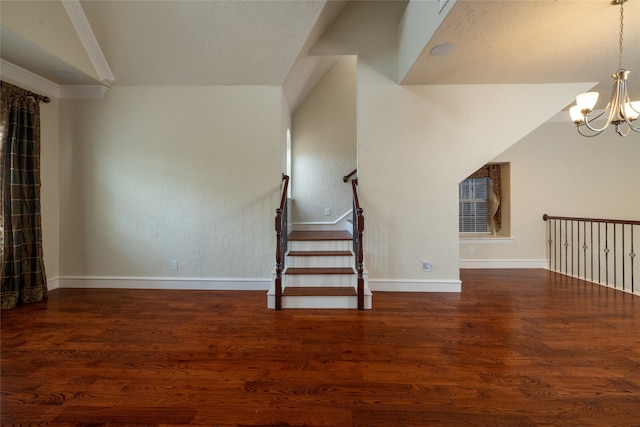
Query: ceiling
(533, 42)
(260, 42)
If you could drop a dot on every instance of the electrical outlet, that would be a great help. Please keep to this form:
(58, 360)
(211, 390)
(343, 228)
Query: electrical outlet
(174, 264)
(470, 249)
(426, 265)
(327, 211)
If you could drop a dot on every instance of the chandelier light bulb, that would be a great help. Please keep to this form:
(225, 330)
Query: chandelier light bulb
(576, 115)
(586, 101)
(632, 110)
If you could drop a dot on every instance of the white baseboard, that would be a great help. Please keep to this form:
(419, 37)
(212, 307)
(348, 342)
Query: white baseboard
(53, 284)
(231, 284)
(391, 285)
(187, 283)
(503, 263)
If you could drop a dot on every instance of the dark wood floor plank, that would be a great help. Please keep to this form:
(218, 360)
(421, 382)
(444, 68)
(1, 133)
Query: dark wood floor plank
(515, 348)
(125, 414)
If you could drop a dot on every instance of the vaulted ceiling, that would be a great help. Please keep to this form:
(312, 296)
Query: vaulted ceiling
(260, 42)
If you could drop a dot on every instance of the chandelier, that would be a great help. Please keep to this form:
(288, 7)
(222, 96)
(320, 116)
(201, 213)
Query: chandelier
(620, 111)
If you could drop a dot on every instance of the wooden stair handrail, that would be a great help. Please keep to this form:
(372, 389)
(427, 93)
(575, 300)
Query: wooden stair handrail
(608, 221)
(356, 200)
(285, 189)
(349, 175)
(281, 240)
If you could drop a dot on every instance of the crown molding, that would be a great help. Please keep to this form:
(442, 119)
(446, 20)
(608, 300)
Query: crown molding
(88, 39)
(83, 92)
(25, 78)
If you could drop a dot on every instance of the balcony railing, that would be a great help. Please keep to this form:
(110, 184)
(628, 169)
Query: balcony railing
(598, 250)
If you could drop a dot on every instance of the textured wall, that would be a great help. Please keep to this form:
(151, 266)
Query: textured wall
(50, 190)
(324, 146)
(416, 143)
(154, 174)
(556, 171)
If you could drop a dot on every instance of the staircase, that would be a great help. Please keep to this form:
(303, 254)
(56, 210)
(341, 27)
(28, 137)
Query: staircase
(320, 272)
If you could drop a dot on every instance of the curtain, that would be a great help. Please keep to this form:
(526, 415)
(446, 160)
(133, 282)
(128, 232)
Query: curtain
(22, 272)
(492, 171)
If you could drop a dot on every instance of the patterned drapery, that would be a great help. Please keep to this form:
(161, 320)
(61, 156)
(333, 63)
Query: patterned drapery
(492, 171)
(22, 272)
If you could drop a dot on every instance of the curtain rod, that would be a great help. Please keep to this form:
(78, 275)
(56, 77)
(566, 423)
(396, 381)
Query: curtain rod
(39, 97)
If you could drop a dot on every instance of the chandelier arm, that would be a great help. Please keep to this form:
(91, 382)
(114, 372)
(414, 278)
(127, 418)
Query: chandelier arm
(632, 127)
(607, 123)
(586, 134)
(619, 131)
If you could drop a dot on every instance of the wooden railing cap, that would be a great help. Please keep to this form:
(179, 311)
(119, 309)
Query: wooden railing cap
(547, 217)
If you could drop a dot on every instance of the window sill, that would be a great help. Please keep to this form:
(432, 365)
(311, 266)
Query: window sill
(485, 238)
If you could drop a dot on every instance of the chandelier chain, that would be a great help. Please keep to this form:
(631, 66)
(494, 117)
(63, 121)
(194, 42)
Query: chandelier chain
(621, 33)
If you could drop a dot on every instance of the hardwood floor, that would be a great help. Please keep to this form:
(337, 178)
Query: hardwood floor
(515, 348)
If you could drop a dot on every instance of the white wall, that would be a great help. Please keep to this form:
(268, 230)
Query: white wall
(154, 174)
(556, 171)
(324, 146)
(416, 143)
(50, 189)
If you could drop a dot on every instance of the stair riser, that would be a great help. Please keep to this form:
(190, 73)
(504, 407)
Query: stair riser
(319, 261)
(319, 279)
(325, 302)
(320, 245)
(346, 302)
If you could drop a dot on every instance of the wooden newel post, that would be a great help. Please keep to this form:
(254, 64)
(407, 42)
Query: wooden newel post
(360, 263)
(281, 240)
(278, 259)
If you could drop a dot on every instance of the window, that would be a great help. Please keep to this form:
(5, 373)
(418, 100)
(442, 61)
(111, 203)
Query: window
(474, 205)
(484, 201)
